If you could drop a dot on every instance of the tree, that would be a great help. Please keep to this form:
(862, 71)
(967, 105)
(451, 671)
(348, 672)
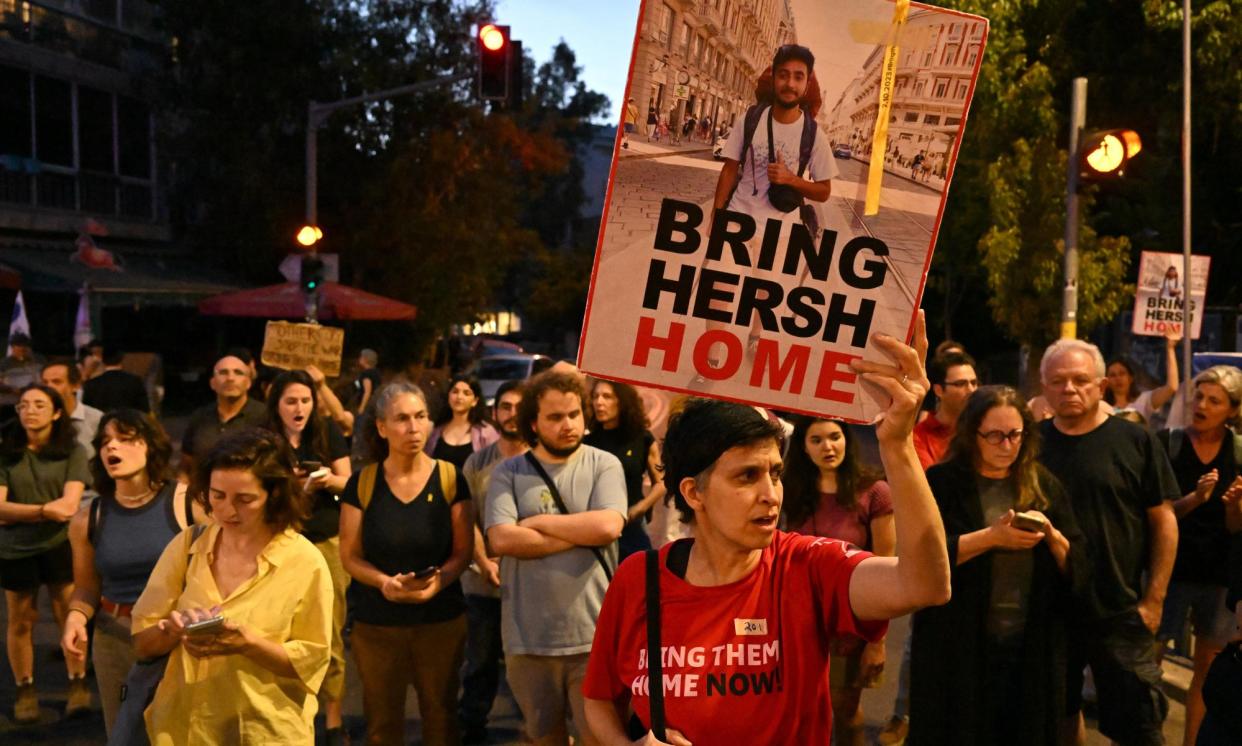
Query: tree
(1007, 200)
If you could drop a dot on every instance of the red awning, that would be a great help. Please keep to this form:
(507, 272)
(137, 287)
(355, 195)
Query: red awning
(336, 301)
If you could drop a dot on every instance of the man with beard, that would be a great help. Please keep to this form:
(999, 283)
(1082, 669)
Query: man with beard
(233, 408)
(751, 178)
(481, 582)
(554, 516)
(791, 72)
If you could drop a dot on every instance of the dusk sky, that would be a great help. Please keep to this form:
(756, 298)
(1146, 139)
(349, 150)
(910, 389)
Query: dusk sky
(600, 33)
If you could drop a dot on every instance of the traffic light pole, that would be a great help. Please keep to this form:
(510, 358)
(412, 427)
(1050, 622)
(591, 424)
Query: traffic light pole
(317, 113)
(1069, 296)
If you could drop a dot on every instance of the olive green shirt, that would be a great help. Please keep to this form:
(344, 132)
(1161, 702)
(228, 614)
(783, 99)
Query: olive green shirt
(34, 480)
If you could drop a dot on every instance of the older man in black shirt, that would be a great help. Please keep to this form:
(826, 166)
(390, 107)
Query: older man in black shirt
(232, 409)
(1122, 491)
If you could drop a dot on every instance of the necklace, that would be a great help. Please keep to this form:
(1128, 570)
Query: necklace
(134, 500)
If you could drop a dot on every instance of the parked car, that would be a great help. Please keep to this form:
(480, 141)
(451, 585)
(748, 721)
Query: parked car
(496, 369)
(841, 151)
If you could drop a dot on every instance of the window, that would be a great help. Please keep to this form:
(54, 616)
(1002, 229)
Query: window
(912, 116)
(54, 121)
(949, 121)
(950, 54)
(665, 25)
(942, 88)
(685, 39)
(95, 130)
(918, 88)
(932, 119)
(962, 88)
(15, 112)
(134, 142)
(971, 55)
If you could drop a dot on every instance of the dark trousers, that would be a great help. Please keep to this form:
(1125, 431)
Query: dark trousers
(481, 675)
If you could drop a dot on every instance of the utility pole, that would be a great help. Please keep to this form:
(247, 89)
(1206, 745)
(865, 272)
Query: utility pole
(1069, 294)
(1188, 283)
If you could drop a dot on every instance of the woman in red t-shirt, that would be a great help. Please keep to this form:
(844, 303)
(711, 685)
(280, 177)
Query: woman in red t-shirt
(747, 612)
(829, 492)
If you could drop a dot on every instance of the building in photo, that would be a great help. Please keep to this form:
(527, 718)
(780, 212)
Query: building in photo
(934, 70)
(703, 56)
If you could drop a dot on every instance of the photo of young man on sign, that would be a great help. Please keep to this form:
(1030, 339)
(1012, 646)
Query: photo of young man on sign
(760, 276)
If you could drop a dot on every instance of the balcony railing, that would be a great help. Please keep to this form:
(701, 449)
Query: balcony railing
(77, 36)
(62, 189)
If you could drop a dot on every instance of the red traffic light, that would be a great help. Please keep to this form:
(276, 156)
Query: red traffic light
(492, 38)
(495, 55)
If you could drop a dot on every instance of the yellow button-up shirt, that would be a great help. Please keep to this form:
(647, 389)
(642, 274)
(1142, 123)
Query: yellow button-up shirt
(231, 699)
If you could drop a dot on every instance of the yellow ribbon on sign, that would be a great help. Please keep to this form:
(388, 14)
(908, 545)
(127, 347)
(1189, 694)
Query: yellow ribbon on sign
(879, 140)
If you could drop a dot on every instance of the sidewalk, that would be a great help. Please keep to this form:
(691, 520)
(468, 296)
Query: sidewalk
(640, 148)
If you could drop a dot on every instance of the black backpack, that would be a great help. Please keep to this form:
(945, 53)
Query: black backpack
(805, 146)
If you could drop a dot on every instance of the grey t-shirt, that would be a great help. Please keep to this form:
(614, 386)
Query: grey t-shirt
(477, 472)
(548, 606)
(1011, 569)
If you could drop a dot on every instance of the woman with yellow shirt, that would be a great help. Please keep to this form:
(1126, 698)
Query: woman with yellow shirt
(253, 678)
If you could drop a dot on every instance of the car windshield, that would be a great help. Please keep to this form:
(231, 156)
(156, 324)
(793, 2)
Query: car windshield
(502, 369)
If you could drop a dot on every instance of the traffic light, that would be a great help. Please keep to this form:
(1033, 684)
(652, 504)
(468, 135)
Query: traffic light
(309, 235)
(495, 59)
(312, 273)
(1104, 155)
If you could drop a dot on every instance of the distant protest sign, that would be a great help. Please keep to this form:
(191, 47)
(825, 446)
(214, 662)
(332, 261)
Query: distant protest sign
(754, 277)
(1159, 302)
(295, 346)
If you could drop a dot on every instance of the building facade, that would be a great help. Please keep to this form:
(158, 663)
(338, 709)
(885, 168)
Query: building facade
(703, 57)
(934, 70)
(82, 203)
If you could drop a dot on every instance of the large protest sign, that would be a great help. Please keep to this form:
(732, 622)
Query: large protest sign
(295, 346)
(1160, 297)
(766, 301)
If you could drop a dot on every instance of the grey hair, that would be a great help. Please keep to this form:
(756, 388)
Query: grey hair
(369, 355)
(1062, 346)
(389, 392)
(1228, 378)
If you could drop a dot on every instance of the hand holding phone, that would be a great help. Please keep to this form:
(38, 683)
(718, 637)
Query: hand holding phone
(209, 626)
(1032, 522)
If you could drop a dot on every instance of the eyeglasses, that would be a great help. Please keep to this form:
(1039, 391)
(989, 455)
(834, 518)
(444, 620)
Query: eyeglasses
(965, 382)
(33, 407)
(996, 437)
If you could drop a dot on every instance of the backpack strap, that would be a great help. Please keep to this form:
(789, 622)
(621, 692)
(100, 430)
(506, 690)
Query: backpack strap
(92, 518)
(809, 131)
(366, 484)
(749, 125)
(655, 665)
(448, 480)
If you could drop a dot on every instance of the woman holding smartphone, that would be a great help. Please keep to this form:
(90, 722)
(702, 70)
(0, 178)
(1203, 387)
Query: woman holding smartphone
(407, 533)
(243, 609)
(117, 542)
(323, 468)
(989, 666)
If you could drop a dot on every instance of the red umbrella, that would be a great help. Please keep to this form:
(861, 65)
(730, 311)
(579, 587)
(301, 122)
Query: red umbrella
(286, 301)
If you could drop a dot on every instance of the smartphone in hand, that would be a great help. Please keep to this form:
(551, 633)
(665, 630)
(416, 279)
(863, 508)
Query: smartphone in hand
(205, 626)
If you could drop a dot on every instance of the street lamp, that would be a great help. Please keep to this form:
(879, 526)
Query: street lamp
(309, 235)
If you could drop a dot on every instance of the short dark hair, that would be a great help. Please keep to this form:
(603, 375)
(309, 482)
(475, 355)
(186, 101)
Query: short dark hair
(506, 387)
(796, 52)
(71, 369)
(139, 425)
(270, 459)
(700, 433)
(939, 366)
(549, 380)
(112, 354)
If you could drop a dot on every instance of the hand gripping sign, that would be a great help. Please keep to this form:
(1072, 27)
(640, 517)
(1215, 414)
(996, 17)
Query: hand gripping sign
(759, 277)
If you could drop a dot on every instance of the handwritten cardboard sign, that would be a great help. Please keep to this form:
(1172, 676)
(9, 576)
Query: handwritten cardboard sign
(295, 346)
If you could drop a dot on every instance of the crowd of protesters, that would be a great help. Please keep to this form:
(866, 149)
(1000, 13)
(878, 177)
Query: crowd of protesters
(449, 543)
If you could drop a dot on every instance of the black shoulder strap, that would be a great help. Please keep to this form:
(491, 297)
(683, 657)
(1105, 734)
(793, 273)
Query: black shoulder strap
(189, 507)
(560, 505)
(749, 125)
(809, 131)
(655, 666)
(92, 518)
